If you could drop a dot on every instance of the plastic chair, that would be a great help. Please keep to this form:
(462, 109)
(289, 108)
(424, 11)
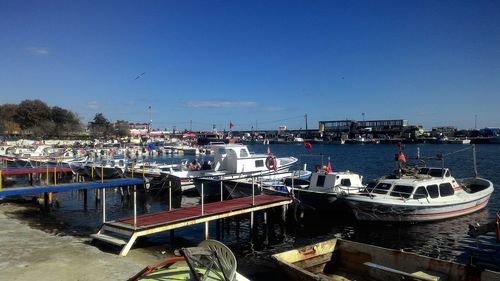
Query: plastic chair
(226, 257)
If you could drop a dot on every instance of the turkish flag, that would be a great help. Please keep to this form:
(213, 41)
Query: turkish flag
(308, 145)
(328, 168)
(231, 125)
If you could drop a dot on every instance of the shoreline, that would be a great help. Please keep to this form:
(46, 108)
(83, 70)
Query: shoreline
(29, 253)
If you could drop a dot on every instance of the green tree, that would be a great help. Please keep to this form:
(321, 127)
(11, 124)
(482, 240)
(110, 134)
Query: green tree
(100, 127)
(31, 113)
(65, 121)
(121, 128)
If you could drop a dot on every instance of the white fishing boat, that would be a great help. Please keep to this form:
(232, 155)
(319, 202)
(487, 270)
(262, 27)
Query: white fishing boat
(325, 188)
(420, 194)
(234, 161)
(339, 259)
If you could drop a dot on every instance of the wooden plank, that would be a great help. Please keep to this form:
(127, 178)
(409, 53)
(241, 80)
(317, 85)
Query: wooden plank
(401, 273)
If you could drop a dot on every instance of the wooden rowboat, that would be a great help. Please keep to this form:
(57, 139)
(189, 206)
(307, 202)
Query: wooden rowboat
(339, 259)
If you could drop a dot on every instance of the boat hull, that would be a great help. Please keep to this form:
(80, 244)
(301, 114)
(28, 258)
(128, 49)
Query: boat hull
(339, 259)
(369, 210)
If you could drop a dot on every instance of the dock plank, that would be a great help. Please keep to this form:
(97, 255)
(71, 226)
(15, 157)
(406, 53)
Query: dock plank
(183, 214)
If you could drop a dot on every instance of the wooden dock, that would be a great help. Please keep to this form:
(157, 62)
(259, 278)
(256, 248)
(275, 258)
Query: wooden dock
(124, 232)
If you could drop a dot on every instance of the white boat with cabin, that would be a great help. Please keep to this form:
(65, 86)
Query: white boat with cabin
(425, 194)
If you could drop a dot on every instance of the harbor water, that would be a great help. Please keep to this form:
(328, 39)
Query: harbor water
(446, 239)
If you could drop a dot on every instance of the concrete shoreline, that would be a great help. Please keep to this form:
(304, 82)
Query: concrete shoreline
(27, 253)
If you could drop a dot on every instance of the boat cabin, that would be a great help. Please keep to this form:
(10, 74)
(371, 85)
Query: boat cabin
(429, 183)
(335, 181)
(235, 158)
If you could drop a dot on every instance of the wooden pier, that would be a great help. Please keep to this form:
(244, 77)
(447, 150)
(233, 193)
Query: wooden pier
(124, 232)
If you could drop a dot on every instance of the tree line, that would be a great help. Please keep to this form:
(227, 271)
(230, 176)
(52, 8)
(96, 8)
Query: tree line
(35, 118)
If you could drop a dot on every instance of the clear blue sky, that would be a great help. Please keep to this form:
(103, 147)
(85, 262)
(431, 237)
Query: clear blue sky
(256, 63)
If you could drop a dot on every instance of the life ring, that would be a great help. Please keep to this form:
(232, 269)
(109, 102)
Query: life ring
(271, 162)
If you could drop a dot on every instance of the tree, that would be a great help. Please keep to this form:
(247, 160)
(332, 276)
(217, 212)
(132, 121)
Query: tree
(31, 113)
(100, 127)
(66, 121)
(121, 128)
(7, 123)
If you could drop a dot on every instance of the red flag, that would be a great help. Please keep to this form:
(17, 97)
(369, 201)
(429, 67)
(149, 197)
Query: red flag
(328, 168)
(231, 125)
(308, 145)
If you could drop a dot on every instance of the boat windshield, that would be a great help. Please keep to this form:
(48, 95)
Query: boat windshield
(403, 191)
(382, 188)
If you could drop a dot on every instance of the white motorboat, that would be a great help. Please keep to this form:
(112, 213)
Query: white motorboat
(234, 161)
(425, 194)
(325, 188)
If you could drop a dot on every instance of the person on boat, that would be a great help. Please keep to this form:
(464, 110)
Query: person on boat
(194, 166)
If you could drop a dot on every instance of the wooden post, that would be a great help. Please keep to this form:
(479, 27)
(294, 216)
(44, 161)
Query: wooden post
(103, 205)
(221, 191)
(85, 198)
(47, 175)
(253, 191)
(251, 223)
(55, 176)
(206, 230)
(170, 195)
(202, 201)
(132, 169)
(1, 178)
(92, 171)
(102, 173)
(135, 207)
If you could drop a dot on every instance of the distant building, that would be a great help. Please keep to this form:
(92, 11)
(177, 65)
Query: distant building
(375, 126)
(138, 129)
(443, 131)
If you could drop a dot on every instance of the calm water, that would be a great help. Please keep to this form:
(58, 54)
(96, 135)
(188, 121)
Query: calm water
(444, 239)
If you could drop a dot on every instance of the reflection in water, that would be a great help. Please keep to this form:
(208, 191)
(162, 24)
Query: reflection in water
(443, 239)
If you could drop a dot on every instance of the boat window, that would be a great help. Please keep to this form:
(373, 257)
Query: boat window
(436, 173)
(403, 191)
(382, 188)
(321, 181)
(243, 153)
(420, 193)
(371, 185)
(445, 189)
(259, 163)
(221, 151)
(121, 163)
(423, 171)
(433, 191)
(345, 182)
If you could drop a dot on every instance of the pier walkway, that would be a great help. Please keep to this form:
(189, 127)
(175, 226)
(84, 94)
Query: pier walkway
(37, 189)
(124, 232)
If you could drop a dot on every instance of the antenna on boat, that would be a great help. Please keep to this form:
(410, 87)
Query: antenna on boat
(474, 159)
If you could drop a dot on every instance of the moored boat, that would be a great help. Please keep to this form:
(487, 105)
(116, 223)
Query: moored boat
(339, 259)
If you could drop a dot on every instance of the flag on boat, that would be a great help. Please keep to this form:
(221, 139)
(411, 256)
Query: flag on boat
(231, 125)
(328, 168)
(308, 145)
